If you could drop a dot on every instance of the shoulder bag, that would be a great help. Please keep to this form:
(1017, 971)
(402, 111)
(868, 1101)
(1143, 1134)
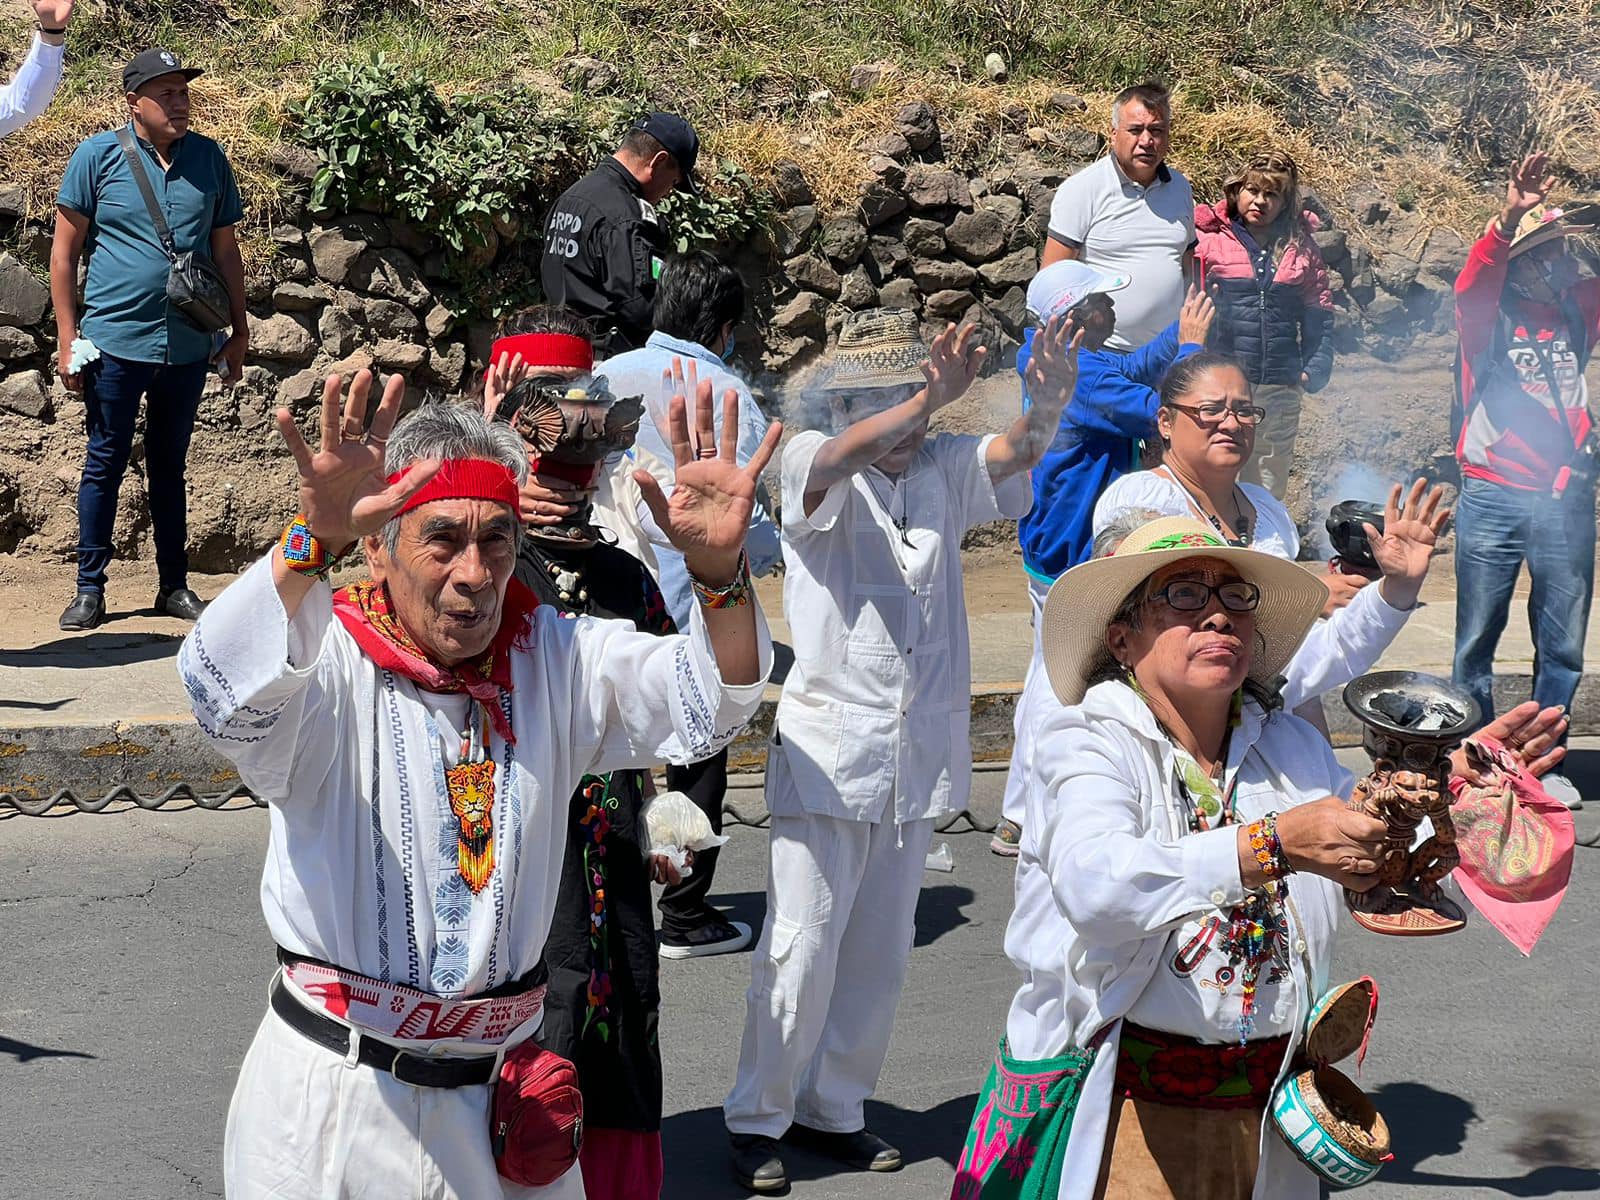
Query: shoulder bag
(194, 285)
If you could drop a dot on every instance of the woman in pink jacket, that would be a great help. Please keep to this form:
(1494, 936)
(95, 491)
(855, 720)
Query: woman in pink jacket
(1261, 265)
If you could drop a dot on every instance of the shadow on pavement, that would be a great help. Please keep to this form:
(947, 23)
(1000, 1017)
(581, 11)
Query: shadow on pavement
(27, 1052)
(95, 650)
(939, 911)
(1432, 1124)
(695, 1145)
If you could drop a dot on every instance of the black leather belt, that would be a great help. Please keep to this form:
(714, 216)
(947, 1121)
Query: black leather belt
(418, 1070)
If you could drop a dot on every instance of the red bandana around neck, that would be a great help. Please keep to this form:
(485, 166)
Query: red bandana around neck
(365, 611)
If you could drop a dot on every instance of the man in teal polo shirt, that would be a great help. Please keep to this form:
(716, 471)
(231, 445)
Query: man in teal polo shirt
(129, 342)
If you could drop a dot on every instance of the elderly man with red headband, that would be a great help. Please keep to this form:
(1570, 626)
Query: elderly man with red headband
(416, 737)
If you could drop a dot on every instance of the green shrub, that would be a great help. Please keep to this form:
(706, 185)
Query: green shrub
(385, 137)
(728, 210)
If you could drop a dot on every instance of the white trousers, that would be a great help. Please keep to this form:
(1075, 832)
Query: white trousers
(304, 1126)
(826, 975)
(1032, 705)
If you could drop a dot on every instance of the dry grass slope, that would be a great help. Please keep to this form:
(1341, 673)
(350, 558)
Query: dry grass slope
(1425, 101)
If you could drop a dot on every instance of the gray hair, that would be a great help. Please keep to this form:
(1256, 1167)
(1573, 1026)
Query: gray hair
(1123, 522)
(442, 430)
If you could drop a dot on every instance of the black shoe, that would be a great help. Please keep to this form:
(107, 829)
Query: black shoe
(756, 1162)
(180, 603)
(863, 1149)
(717, 937)
(86, 611)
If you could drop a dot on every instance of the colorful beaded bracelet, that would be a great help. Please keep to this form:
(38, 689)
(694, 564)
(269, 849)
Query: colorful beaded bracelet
(304, 553)
(1268, 849)
(731, 595)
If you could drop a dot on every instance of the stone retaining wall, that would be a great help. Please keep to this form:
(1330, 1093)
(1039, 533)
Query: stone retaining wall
(347, 291)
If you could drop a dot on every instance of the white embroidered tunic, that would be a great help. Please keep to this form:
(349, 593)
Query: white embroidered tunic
(361, 867)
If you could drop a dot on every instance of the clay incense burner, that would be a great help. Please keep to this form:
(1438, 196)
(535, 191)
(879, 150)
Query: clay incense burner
(1411, 722)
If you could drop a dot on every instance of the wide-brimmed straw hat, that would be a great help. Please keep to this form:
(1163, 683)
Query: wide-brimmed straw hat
(1547, 224)
(1082, 602)
(878, 348)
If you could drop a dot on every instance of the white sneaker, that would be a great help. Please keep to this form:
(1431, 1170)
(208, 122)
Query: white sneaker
(1562, 789)
(717, 937)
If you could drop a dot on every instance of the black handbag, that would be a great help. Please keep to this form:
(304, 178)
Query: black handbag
(194, 285)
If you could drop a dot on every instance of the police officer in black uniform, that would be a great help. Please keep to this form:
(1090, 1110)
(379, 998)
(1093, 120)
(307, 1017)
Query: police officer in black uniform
(604, 244)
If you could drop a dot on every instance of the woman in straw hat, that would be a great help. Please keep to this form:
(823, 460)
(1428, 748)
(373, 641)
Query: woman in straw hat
(1178, 885)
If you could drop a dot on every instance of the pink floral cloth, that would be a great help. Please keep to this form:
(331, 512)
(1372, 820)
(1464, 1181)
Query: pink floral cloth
(1515, 843)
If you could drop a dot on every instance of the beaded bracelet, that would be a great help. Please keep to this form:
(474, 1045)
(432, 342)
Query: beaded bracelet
(304, 553)
(1268, 849)
(731, 595)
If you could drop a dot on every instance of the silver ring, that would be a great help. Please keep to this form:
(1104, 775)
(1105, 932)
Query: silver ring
(348, 434)
(705, 454)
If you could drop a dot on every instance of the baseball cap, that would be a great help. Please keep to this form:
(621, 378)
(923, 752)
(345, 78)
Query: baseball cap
(1062, 285)
(152, 64)
(677, 138)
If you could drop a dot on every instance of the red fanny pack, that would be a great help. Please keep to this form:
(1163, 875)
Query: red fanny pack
(536, 1119)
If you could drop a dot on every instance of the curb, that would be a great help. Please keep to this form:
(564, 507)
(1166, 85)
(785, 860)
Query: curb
(83, 764)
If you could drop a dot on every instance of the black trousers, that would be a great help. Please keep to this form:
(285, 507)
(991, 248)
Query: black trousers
(683, 905)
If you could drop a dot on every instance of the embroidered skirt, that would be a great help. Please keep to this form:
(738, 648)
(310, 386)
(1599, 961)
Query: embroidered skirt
(1018, 1137)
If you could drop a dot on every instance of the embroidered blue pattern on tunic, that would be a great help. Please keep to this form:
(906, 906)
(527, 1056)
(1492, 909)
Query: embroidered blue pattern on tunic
(220, 717)
(377, 861)
(698, 719)
(408, 863)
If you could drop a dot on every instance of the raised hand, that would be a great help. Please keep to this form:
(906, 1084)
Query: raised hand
(708, 514)
(54, 14)
(1529, 733)
(1053, 366)
(504, 374)
(953, 363)
(1194, 318)
(344, 494)
(1530, 183)
(1406, 544)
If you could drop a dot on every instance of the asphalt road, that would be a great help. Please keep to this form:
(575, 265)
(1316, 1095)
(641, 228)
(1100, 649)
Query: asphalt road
(133, 966)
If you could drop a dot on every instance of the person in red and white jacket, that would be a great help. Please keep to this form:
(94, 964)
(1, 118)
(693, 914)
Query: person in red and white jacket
(1528, 321)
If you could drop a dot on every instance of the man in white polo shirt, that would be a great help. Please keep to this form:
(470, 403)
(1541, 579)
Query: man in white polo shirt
(1131, 214)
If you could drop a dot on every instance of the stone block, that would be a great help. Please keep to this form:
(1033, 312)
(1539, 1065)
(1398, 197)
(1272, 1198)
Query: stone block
(1006, 208)
(446, 363)
(1017, 268)
(391, 319)
(941, 274)
(858, 291)
(392, 354)
(13, 202)
(339, 330)
(439, 321)
(790, 186)
(23, 297)
(843, 241)
(25, 394)
(300, 297)
(805, 314)
(1011, 310)
(918, 124)
(334, 251)
(392, 275)
(792, 230)
(814, 274)
(16, 343)
(879, 203)
(932, 187)
(975, 236)
(892, 145)
(282, 337)
(886, 257)
(900, 293)
(948, 304)
(923, 238)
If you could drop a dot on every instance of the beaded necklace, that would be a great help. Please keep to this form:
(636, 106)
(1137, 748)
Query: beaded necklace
(1255, 934)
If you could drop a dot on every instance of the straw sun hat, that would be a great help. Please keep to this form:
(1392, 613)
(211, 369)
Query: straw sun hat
(1544, 225)
(1082, 602)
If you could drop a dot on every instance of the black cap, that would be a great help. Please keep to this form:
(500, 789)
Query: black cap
(152, 64)
(677, 138)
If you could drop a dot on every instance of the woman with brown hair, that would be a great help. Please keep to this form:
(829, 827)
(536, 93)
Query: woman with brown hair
(1260, 263)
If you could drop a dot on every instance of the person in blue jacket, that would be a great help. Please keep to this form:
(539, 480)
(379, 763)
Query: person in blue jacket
(1112, 410)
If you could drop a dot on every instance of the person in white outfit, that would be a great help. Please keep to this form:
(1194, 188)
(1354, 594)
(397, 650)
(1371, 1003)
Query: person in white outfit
(871, 742)
(416, 737)
(1180, 814)
(34, 85)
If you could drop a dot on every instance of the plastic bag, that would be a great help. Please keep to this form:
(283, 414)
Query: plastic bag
(675, 825)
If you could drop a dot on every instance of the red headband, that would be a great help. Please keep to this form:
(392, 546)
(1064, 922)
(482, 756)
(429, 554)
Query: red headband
(465, 479)
(545, 350)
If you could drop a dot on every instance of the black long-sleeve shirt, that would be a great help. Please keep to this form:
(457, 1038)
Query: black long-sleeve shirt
(603, 249)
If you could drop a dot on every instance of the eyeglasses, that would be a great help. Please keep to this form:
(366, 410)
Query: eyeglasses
(1191, 595)
(1215, 414)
